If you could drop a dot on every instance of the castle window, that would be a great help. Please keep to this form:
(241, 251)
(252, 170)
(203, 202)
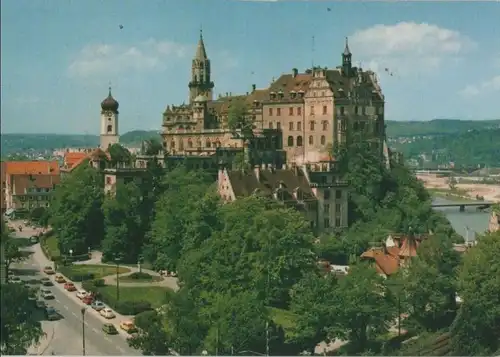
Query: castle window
(337, 222)
(278, 111)
(326, 194)
(363, 110)
(356, 110)
(278, 125)
(311, 140)
(290, 126)
(325, 125)
(190, 143)
(172, 144)
(198, 143)
(108, 180)
(381, 110)
(338, 194)
(110, 129)
(270, 125)
(207, 143)
(312, 110)
(299, 140)
(342, 110)
(270, 112)
(323, 140)
(325, 109)
(290, 111)
(326, 223)
(290, 140)
(299, 111)
(299, 126)
(181, 144)
(311, 124)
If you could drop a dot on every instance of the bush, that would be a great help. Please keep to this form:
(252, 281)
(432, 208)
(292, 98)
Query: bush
(140, 276)
(98, 282)
(132, 307)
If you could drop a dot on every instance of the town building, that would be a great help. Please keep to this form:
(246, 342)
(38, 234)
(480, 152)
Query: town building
(312, 111)
(28, 184)
(316, 190)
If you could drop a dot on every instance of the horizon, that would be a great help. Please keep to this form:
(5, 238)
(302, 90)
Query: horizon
(433, 60)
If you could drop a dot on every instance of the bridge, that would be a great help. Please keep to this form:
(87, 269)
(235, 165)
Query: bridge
(462, 205)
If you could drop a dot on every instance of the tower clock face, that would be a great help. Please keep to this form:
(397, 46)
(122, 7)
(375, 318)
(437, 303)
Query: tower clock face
(110, 114)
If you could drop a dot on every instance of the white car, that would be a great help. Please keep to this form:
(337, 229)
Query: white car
(81, 294)
(107, 313)
(15, 279)
(46, 294)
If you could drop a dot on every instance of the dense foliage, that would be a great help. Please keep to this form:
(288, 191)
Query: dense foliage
(245, 267)
(436, 127)
(468, 148)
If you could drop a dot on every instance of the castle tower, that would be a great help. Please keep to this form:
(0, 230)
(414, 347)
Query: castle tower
(347, 60)
(200, 83)
(109, 121)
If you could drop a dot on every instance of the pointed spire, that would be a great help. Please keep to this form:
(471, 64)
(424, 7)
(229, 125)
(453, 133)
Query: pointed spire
(201, 53)
(347, 52)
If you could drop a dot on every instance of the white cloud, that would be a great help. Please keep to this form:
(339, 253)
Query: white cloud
(489, 85)
(408, 47)
(98, 59)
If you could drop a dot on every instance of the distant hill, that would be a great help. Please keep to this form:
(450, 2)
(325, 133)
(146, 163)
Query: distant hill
(15, 143)
(437, 127)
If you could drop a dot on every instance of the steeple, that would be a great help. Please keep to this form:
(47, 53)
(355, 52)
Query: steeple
(347, 59)
(200, 83)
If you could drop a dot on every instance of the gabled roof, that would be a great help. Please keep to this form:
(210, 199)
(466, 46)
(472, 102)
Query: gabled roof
(32, 167)
(71, 158)
(387, 264)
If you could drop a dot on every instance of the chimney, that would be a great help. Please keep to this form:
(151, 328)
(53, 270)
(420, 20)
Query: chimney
(256, 171)
(295, 71)
(253, 87)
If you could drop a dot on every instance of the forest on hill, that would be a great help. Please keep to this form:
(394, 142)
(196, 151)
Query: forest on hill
(436, 127)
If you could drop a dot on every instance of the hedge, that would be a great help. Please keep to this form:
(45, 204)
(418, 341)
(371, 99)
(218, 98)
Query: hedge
(123, 307)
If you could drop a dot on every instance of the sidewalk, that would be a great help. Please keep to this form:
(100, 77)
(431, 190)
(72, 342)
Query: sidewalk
(44, 343)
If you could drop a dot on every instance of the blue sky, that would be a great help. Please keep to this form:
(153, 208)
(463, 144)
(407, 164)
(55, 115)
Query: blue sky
(59, 56)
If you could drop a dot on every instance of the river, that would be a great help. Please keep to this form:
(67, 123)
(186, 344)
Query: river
(477, 221)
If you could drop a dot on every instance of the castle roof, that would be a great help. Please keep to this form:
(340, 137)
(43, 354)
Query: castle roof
(110, 103)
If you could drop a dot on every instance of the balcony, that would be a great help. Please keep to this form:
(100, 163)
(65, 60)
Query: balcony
(338, 183)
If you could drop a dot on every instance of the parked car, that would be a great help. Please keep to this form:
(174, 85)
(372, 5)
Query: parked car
(69, 286)
(40, 304)
(81, 294)
(109, 329)
(46, 282)
(15, 280)
(97, 305)
(51, 314)
(33, 240)
(107, 313)
(47, 294)
(128, 326)
(89, 299)
(48, 270)
(60, 279)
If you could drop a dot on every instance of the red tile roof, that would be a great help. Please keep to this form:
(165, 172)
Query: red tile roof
(71, 158)
(32, 167)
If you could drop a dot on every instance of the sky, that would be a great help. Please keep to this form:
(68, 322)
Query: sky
(433, 60)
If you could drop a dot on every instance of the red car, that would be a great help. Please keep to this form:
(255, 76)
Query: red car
(87, 300)
(69, 286)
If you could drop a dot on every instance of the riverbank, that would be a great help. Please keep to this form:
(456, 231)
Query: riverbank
(440, 186)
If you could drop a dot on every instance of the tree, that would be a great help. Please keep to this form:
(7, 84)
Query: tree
(124, 234)
(430, 284)
(238, 118)
(19, 327)
(37, 214)
(152, 338)
(10, 249)
(119, 154)
(475, 331)
(365, 312)
(76, 214)
(313, 303)
(153, 147)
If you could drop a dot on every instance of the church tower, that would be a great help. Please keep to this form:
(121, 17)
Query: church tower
(347, 60)
(109, 121)
(200, 74)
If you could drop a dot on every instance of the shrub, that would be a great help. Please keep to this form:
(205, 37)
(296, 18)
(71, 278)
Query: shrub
(140, 276)
(75, 276)
(132, 307)
(98, 282)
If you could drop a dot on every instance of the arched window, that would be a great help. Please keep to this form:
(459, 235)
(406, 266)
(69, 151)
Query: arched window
(208, 143)
(311, 140)
(198, 143)
(290, 140)
(181, 144)
(270, 125)
(190, 143)
(323, 140)
(172, 144)
(299, 140)
(110, 128)
(311, 123)
(217, 143)
(325, 125)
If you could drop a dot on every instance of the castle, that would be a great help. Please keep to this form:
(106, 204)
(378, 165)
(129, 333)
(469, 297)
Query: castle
(312, 112)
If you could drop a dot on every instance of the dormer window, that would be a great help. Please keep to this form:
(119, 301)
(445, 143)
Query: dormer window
(282, 185)
(272, 95)
(279, 194)
(301, 93)
(293, 94)
(299, 195)
(280, 94)
(256, 103)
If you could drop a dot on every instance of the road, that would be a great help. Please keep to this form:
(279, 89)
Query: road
(65, 335)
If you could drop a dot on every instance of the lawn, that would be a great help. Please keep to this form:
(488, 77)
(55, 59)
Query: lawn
(52, 246)
(283, 318)
(145, 278)
(98, 271)
(155, 295)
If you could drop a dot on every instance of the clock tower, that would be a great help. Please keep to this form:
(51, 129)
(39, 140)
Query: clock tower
(109, 121)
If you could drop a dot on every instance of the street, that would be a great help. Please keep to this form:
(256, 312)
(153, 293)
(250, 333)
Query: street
(64, 336)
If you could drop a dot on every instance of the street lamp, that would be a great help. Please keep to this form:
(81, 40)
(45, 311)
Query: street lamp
(117, 261)
(140, 259)
(83, 310)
